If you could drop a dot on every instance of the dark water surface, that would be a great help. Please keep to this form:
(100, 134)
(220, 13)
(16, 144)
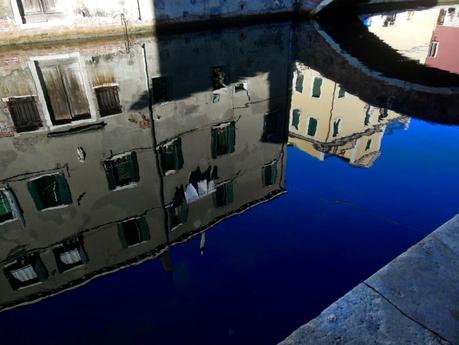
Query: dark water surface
(264, 176)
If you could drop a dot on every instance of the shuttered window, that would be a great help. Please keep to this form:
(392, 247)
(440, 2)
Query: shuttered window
(341, 92)
(70, 254)
(108, 100)
(64, 91)
(160, 90)
(171, 156)
(367, 116)
(312, 126)
(50, 191)
(317, 87)
(24, 113)
(383, 113)
(269, 174)
(122, 170)
(9, 208)
(224, 194)
(223, 139)
(336, 127)
(36, 11)
(177, 211)
(133, 232)
(296, 118)
(299, 82)
(25, 271)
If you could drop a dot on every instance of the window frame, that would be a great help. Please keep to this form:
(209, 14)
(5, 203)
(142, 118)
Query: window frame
(35, 197)
(143, 229)
(135, 170)
(320, 88)
(33, 260)
(117, 96)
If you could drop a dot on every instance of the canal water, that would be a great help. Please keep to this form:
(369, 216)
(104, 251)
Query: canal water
(219, 187)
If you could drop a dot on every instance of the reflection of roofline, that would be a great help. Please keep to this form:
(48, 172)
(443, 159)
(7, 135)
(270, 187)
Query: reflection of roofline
(152, 254)
(327, 146)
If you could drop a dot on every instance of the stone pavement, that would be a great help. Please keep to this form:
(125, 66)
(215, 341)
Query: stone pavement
(412, 300)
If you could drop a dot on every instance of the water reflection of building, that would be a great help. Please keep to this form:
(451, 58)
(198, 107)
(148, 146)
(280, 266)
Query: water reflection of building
(90, 184)
(326, 120)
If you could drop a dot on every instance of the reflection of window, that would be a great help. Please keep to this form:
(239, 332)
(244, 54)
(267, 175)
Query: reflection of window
(223, 139)
(24, 113)
(383, 113)
(9, 209)
(299, 82)
(296, 118)
(269, 174)
(160, 90)
(368, 116)
(312, 126)
(25, 271)
(108, 100)
(369, 143)
(317, 87)
(133, 232)
(336, 127)
(70, 255)
(272, 128)
(177, 211)
(433, 49)
(341, 92)
(50, 191)
(63, 87)
(218, 78)
(171, 157)
(224, 194)
(122, 170)
(36, 11)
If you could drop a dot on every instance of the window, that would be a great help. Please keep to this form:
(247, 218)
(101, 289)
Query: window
(108, 100)
(296, 118)
(25, 271)
(269, 174)
(9, 209)
(433, 49)
(133, 232)
(70, 255)
(160, 90)
(299, 82)
(64, 90)
(223, 139)
(383, 113)
(224, 194)
(272, 128)
(368, 146)
(122, 170)
(312, 126)
(36, 11)
(171, 156)
(24, 113)
(368, 116)
(336, 127)
(50, 191)
(219, 78)
(317, 87)
(341, 92)
(177, 211)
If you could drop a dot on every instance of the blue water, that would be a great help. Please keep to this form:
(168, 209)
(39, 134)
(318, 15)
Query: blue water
(273, 268)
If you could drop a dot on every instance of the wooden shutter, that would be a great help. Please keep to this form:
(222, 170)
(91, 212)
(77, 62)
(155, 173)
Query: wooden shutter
(65, 195)
(367, 116)
(74, 87)
(55, 94)
(336, 127)
(24, 113)
(316, 89)
(108, 100)
(312, 128)
(214, 143)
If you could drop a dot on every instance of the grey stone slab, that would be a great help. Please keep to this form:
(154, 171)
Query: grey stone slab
(362, 317)
(424, 282)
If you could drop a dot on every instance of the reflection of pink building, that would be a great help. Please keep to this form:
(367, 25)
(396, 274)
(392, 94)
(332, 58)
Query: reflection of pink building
(444, 47)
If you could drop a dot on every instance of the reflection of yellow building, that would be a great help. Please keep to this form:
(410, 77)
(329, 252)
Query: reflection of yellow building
(325, 119)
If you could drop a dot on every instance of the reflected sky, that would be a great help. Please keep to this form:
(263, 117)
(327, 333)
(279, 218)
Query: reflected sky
(217, 185)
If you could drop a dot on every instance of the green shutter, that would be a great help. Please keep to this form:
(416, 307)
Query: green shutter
(5, 207)
(183, 212)
(214, 143)
(341, 92)
(134, 167)
(179, 153)
(312, 128)
(144, 229)
(263, 176)
(65, 195)
(83, 254)
(299, 82)
(367, 116)
(13, 282)
(108, 166)
(229, 190)
(274, 173)
(40, 270)
(316, 89)
(336, 127)
(296, 118)
(231, 137)
(33, 190)
(121, 235)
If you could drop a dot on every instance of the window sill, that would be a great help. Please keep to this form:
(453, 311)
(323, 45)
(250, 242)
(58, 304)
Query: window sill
(128, 186)
(79, 129)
